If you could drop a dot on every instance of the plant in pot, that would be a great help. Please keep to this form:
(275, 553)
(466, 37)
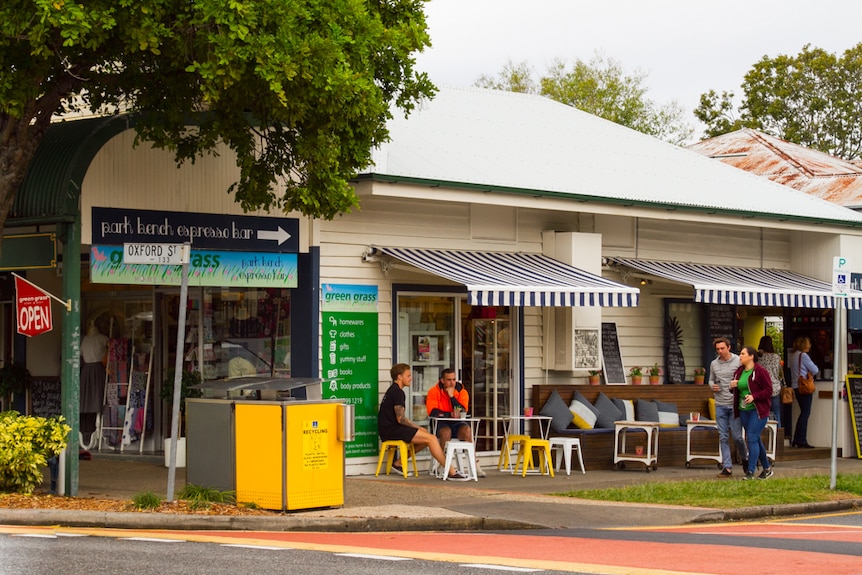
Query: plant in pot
(15, 378)
(595, 375)
(636, 374)
(187, 380)
(655, 373)
(699, 374)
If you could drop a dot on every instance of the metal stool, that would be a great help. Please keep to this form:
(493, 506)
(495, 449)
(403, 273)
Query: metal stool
(566, 445)
(506, 450)
(525, 456)
(454, 450)
(406, 451)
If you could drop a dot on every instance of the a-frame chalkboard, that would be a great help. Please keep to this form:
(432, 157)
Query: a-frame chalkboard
(613, 371)
(854, 396)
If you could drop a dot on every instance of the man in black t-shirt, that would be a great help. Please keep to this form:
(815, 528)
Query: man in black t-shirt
(392, 422)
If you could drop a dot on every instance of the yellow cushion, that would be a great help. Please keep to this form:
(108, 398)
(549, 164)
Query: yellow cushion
(712, 408)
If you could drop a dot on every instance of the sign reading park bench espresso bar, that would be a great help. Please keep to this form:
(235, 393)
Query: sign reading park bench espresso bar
(113, 226)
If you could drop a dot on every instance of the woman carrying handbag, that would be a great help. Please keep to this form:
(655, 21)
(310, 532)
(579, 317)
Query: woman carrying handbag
(801, 366)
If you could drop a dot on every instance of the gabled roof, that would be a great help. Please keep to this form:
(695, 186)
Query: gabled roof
(815, 173)
(507, 142)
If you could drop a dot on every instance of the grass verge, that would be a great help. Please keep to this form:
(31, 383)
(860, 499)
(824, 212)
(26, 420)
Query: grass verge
(731, 494)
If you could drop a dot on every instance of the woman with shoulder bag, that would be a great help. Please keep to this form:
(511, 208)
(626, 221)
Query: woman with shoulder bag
(771, 362)
(801, 366)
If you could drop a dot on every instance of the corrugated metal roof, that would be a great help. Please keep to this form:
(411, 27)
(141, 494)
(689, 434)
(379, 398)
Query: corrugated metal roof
(525, 143)
(815, 173)
(51, 189)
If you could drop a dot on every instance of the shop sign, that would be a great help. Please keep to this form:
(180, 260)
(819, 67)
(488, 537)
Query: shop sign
(29, 252)
(115, 226)
(32, 309)
(350, 362)
(207, 268)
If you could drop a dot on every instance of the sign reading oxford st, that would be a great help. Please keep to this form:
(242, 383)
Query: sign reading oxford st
(114, 226)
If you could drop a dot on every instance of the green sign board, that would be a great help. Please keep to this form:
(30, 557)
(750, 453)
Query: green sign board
(28, 252)
(350, 358)
(206, 268)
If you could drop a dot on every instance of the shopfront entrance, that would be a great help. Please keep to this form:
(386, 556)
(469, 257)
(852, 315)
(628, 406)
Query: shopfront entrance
(439, 331)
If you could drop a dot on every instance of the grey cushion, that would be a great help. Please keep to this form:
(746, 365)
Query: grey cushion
(557, 409)
(626, 408)
(667, 414)
(646, 411)
(608, 412)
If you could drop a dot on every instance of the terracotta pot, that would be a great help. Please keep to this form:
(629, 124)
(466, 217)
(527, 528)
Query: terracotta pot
(698, 380)
(636, 379)
(654, 379)
(594, 379)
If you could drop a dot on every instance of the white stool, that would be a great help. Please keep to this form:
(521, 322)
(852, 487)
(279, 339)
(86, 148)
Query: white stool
(455, 449)
(566, 445)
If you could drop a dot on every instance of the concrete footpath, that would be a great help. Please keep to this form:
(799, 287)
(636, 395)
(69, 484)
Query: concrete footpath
(499, 501)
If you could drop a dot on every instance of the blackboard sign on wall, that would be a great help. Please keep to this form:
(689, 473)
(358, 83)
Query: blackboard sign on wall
(854, 395)
(612, 362)
(721, 323)
(45, 397)
(675, 359)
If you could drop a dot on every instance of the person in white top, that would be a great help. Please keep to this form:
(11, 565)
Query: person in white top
(94, 353)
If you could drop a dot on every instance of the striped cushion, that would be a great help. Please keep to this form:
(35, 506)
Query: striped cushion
(585, 415)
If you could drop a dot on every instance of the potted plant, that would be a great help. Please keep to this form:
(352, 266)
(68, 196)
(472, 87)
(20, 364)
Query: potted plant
(594, 376)
(187, 380)
(699, 374)
(655, 374)
(636, 374)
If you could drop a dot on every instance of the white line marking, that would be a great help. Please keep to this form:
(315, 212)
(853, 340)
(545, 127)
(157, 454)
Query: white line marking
(381, 557)
(266, 547)
(151, 539)
(501, 567)
(35, 535)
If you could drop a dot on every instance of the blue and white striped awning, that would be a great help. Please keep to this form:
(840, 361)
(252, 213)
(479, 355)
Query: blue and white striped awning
(519, 279)
(746, 286)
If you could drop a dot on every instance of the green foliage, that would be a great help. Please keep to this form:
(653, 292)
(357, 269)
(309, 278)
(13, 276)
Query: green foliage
(600, 87)
(187, 380)
(777, 335)
(191, 492)
(147, 500)
(810, 99)
(299, 91)
(26, 444)
(730, 494)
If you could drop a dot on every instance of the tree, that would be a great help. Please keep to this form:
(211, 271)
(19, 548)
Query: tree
(810, 99)
(300, 91)
(600, 87)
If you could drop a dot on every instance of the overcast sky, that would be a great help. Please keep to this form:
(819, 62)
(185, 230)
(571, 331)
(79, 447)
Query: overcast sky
(686, 47)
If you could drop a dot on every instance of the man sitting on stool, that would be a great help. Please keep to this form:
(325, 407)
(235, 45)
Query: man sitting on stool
(446, 399)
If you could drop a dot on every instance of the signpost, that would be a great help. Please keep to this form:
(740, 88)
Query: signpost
(840, 289)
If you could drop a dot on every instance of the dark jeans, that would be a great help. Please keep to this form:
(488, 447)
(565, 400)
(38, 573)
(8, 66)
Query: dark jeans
(753, 426)
(800, 436)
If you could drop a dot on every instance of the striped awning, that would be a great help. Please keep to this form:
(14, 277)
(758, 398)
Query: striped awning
(519, 279)
(745, 286)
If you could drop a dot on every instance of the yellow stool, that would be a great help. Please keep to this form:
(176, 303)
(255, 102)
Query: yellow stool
(525, 456)
(406, 451)
(506, 452)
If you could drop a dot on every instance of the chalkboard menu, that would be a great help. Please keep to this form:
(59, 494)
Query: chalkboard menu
(720, 321)
(854, 393)
(45, 397)
(612, 362)
(675, 360)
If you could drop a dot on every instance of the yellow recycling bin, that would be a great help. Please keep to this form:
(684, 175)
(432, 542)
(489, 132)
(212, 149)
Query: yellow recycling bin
(290, 454)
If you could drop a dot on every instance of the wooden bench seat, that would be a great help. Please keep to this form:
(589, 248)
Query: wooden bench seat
(598, 444)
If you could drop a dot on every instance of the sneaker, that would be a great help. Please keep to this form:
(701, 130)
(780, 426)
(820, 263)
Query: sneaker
(766, 474)
(725, 473)
(748, 476)
(745, 463)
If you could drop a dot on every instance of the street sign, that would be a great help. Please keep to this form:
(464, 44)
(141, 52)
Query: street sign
(840, 276)
(32, 309)
(114, 227)
(170, 254)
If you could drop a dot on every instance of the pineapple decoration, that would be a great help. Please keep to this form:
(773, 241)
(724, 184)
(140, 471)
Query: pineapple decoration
(675, 359)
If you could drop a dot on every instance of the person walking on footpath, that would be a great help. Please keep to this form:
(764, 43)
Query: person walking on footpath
(752, 399)
(392, 422)
(771, 362)
(721, 371)
(801, 365)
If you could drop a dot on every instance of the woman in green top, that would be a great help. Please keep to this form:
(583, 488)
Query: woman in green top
(752, 398)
